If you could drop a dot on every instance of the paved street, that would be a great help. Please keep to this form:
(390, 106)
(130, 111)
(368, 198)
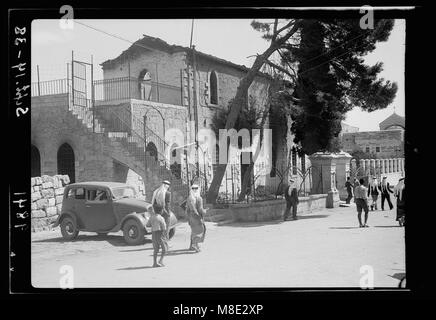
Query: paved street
(325, 248)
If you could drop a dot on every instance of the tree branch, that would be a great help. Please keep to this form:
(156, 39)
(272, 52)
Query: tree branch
(274, 36)
(291, 23)
(272, 64)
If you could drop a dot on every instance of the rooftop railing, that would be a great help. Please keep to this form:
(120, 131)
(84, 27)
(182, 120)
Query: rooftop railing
(115, 89)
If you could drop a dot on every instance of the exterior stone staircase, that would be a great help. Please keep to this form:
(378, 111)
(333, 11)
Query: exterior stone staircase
(134, 146)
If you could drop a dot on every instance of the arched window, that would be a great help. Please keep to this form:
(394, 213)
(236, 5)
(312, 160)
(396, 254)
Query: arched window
(151, 150)
(35, 159)
(66, 161)
(175, 161)
(145, 86)
(213, 88)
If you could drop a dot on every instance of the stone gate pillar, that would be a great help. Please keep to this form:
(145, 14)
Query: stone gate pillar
(353, 165)
(377, 167)
(372, 167)
(342, 160)
(323, 177)
(367, 167)
(362, 169)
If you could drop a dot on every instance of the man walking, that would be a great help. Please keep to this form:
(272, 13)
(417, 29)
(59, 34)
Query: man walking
(349, 187)
(373, 192)
(291, 196)
(361, 199)
(161, 204)
(195, 213)
(385, 189)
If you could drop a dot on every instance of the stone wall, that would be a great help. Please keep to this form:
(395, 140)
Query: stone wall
(47, 195)
(273, 209)
(390, 142)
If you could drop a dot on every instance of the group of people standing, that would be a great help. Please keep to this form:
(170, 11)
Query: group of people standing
(160, 220)
(374, 189)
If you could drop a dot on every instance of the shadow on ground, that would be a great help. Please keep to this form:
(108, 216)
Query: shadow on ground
(135, 268)
(274, 222)
(344, 228)
(115, 240)
(177, 252)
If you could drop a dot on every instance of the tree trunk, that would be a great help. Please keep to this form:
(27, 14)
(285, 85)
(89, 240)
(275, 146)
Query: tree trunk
(246, 178)
(240, 100)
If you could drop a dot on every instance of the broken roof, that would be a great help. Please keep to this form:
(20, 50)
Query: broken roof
(156, 44)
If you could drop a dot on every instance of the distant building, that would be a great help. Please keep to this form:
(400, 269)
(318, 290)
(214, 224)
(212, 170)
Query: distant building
(346, 128)
(388, 142)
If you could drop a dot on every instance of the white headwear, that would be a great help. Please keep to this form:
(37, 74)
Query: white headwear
(159, 195)
(195, 190)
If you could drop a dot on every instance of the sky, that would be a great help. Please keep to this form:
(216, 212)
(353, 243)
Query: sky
(231, 39)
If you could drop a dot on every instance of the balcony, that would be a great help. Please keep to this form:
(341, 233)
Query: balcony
(109, 90)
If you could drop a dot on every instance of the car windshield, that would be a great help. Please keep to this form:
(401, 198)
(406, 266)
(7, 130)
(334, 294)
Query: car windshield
(123, 192)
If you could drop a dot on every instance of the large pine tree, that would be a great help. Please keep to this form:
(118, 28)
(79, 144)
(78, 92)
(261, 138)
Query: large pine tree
(332, 78)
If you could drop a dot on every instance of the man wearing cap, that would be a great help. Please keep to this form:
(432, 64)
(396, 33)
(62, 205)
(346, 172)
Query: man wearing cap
(291, 196)
(161, 203)
(195, 213)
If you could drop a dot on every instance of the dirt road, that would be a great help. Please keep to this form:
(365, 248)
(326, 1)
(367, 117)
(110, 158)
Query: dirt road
(325, 248)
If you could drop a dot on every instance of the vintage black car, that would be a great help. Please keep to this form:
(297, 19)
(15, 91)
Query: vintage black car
(105, 207)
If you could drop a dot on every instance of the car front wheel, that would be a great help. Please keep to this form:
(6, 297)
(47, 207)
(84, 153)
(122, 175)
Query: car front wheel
(69, 228)
(133, 232)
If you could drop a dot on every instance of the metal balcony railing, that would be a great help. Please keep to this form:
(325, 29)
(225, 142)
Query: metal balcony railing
(44, 88)
(115, 89)
(131, 88)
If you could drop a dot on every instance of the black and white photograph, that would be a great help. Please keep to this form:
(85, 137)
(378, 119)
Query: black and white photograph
(217, 152)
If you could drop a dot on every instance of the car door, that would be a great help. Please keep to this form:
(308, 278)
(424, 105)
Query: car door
(98, 210)
(78, 205)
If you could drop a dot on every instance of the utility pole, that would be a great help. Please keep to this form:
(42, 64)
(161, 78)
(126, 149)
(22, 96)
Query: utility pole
(194, 62)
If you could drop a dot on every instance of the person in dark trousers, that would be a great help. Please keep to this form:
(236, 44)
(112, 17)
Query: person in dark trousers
(291, 196)
(349, 186)
(158, 237)
(373, 192)
(161, 203)
(361, 199)
(385, 189)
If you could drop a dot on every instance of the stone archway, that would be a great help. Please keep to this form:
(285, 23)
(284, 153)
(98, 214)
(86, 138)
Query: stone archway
(35, 160)
(176, 160)
(66, 161)
(151, 152)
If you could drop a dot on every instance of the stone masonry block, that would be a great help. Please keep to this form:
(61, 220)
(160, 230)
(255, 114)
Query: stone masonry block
(51, 211)
(59, 199)
(47, 185)
(51, 202)
(47, 193)
(38, 214)
(59, 191)
(35, 196)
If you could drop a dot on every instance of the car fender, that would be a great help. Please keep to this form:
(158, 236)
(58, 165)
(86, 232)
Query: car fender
(62, 216)
(135, 216)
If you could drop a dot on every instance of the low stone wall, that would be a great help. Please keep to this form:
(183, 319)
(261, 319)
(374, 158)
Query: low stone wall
(47, 195)
(273, 209)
